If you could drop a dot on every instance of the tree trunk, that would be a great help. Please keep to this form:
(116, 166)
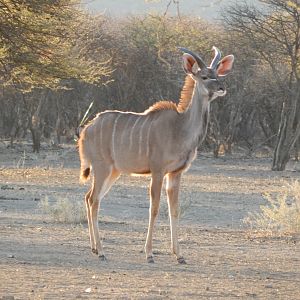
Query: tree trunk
(289, 132)
(216, 150)
(297, 149)
(59, 123)
(228, 147)
(36, 139)
(36, 126)
(12, 134)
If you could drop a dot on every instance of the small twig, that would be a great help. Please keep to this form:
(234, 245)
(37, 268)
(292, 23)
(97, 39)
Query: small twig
(168, 5)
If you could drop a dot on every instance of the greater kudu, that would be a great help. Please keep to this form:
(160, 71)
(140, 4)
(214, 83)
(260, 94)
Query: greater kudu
(162, 141)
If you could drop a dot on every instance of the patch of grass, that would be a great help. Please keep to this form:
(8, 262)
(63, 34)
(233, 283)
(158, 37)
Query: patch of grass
(64, 211)
(21, 162)
(281, 214)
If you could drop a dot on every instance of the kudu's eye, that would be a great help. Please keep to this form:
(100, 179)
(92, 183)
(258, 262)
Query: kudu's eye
(204, 77)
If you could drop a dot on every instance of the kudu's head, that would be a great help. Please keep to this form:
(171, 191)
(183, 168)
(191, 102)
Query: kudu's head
(208, 79)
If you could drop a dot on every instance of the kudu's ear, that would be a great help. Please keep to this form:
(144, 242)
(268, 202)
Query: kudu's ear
(225, 65)
(190, 65)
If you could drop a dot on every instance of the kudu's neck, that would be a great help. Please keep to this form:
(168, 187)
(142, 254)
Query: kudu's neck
(196, 116)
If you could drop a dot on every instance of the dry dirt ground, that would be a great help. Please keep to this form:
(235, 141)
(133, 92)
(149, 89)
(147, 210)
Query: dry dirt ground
(41, 259)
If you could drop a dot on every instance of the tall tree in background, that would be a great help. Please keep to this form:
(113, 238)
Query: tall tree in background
(37, 40)
(39, 48)
(274, 33)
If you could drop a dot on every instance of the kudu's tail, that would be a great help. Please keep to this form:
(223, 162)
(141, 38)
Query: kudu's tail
(85, 163)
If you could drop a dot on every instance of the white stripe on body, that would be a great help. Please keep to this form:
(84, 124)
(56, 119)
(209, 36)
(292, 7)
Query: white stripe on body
(148, 138)
(101, 133)
(101, 116)
(101, 129)
(131, 132)
(113, 154)
(141, 135)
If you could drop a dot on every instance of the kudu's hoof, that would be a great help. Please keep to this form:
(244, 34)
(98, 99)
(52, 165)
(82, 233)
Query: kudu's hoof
(94, 251)
(181, 260)
(150, 260)
(102, 258)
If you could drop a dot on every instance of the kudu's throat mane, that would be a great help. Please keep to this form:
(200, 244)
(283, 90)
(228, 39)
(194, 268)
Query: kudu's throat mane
(186, 94)
(184, 102)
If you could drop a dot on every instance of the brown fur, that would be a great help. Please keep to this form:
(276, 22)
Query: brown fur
(161, 141)
(185, 99)
(85, 173)
(162, 105)
(186, 94)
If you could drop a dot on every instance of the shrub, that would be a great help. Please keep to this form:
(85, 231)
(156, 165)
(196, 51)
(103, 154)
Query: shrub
(64, 211)
(281, 214)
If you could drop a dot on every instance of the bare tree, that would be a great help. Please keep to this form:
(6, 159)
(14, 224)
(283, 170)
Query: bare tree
(274, 33)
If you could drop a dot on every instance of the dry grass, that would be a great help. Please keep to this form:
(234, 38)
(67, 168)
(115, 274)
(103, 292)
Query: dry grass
(64, 211)
(281, 215)
(21, 161)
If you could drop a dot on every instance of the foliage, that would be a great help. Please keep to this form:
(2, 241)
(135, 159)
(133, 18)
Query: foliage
(281, 214)
(138, 61)
(146, 59)
(37, 40)
(279, 25)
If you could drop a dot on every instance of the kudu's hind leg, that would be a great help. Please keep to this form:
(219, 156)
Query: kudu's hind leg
(87, 206)
(155, 191)
(104, 177)
(172, 188)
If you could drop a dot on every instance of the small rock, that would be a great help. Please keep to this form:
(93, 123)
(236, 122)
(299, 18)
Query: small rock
(11, 256)
(268, 286)
(88, 290)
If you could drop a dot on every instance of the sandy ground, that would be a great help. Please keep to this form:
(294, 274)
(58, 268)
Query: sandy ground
(41, 259)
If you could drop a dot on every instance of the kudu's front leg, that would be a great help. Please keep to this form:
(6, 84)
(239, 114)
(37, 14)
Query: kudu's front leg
(155, 191)
(172, 188)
